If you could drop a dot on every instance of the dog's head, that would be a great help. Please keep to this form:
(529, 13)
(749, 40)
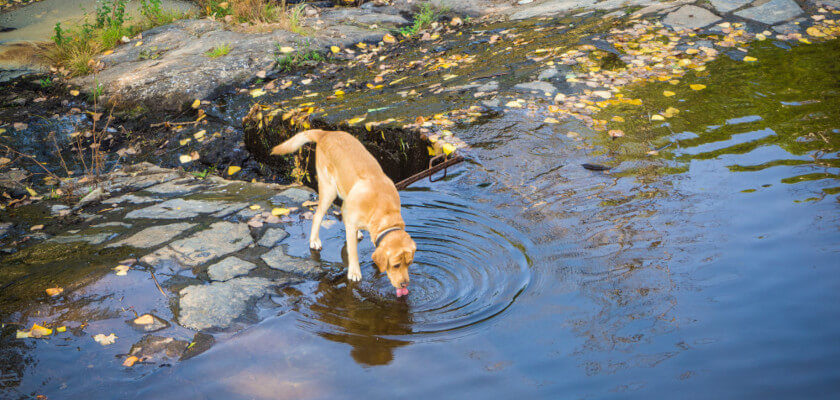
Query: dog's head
(393, 256)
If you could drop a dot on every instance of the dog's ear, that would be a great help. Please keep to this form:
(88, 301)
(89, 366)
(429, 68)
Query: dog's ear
(380, 258)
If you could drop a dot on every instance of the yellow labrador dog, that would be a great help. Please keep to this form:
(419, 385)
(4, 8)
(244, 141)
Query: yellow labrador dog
(346, 169)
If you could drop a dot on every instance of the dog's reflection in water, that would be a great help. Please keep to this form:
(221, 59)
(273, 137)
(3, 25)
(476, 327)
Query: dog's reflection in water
(362, 320)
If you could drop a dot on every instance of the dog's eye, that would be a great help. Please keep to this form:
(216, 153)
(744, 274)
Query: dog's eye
(397, 266)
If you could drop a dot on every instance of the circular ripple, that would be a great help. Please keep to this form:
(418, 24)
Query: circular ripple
(469, 268)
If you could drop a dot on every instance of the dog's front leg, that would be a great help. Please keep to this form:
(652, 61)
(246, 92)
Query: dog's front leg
(354, 272)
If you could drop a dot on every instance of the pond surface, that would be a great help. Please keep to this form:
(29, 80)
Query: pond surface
(708, 268)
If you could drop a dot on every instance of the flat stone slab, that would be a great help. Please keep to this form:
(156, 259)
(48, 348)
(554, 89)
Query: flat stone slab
(690, 17)
(725, 6)
(550, 8)
(279, 260)
(130, 198)
(772, 12)
(536, 86)
(153, 347)
(175, 187)
(180, 209)
(154, 236)
(229, 268)
(217, 304)
(291, 196)
(96, 238)
(272, 237)
(220, 240)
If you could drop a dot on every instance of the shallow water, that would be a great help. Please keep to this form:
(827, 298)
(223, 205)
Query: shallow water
(709, 270)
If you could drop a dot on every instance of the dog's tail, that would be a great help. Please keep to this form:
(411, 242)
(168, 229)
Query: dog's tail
(297, 141)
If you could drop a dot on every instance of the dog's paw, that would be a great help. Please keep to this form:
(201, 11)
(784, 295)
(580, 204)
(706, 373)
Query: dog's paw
(359, 235)
(354, 274)
(315, 244)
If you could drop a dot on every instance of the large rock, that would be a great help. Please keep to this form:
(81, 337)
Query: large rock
(180, 209)
(690, 17)
(220, 240)
(170, 69)
(725, 6)
(217, 304)
(229, 268)
(153, 236)
(772, 12)
(279, 260)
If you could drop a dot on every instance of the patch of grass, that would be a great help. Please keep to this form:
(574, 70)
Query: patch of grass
(256, 12)
(77, 45)
(303, 58)
(422, 20)
(218, 51)
(97, 91)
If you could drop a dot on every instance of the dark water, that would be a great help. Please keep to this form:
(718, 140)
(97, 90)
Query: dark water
(710, 270)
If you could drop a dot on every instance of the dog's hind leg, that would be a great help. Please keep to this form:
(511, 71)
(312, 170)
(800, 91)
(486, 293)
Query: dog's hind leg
(326, 195)
(354, 271)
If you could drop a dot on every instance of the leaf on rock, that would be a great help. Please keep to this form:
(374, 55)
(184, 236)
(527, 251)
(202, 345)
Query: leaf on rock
(233, 169)
(54, 291)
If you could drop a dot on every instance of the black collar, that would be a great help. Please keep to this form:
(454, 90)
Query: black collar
(382, 235)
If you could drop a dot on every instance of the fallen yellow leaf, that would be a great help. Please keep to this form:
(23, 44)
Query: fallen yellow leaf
(122, 270)
(74, 92)
(697, 86)
(257, 92)
(54, 291)
(353, 121)
(616, 133)
(447, 148)
(617, 119)
(255, 207)
(38, 331)
(31, 192)
(339, 92)
(130, 361)
(668, 93)
(286, 49)
(657, 117)
(185, 158)
(233, 169)
(278, 211)
(389, 39)
(199, 134)
(335, 49)
(145, 319)
(196, 103)
(670, 112)
(550, 120)
(813, 31)
(61, 329)
(361, 45)
(750, 59)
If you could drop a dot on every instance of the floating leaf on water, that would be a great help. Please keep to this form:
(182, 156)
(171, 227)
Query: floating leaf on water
(670, 112)
(105, 340)
(761, 36)
(130, 361)
(279, 211)
(668, 93)
(145, 319)
(617, 119)
(339, 92)
(38, 331)
(815, 32)
(697, 86)
(233, 169)
(257, 92)
(184, 158)
(196, 103)
(61, 329)
(122, 270)
(750, 59)
(615, 133)
(36, 227)
(657, 117)
(356, 120)
(54, 291)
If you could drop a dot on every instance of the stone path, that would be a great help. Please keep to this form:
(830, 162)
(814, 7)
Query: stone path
(211, 259)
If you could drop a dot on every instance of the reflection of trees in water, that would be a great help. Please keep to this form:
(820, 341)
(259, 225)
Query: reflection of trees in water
(362, 320)
(14, 358)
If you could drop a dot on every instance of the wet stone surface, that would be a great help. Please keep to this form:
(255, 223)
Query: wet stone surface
(217, 304)
(229, 268)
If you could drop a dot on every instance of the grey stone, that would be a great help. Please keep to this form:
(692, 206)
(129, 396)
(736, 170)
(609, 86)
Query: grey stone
(229, 268)
(200, 343)
(831, 3)
(111, 224)
(157, 324)
(536, 86)
(550, 8)
(488, 87)
(153, 236)
(725, 6)
(220, 240)
(547, 74)
(788, 27)
(95, 238)
(130, 198)
(174, 187)
(157, 348)
(291, 195)
(272, 236)
(59, 209)
(180, 209)
(217, 304)
(690, 17)
(772, 12)
(277, 259)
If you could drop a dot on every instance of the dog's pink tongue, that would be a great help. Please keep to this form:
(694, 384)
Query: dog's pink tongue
(402, 292)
